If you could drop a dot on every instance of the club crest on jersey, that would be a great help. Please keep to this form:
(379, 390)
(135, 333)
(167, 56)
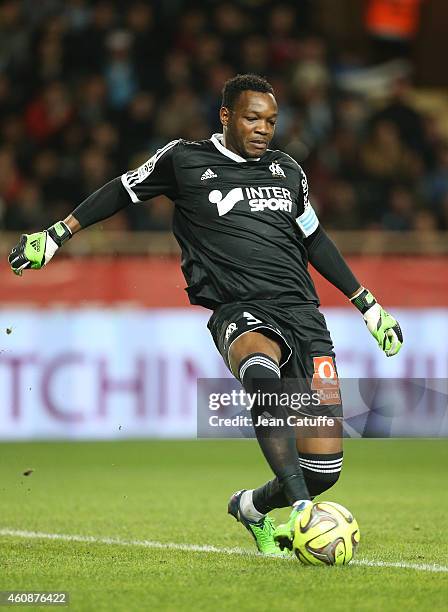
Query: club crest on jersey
(277, 170)
(230, 329)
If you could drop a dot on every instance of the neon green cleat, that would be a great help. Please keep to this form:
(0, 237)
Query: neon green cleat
(262, 531)
(284, 533)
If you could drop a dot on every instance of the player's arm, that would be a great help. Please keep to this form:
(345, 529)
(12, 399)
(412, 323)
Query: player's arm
(35, 250)
(154, 177)
(326, 258)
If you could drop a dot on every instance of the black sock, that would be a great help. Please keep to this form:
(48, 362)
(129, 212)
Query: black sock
(320, 471)
(261, 374)
(269, 496)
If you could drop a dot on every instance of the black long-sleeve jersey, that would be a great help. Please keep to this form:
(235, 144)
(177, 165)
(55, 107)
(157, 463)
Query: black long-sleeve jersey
(240, 223)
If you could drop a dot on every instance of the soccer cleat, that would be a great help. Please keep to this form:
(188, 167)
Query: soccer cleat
(284, 533)
(262, 531)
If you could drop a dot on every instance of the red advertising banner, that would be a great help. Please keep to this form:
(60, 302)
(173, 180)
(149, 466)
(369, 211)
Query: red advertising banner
(157, 282)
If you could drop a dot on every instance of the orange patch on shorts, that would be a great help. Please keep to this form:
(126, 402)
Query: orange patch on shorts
(325, 381)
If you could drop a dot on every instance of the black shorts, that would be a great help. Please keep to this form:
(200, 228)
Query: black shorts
(301, 330)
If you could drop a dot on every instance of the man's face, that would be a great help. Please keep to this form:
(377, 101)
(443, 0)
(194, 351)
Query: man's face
(249, 126)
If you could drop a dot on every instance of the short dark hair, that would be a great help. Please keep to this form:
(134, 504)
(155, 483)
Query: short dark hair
(243, 82)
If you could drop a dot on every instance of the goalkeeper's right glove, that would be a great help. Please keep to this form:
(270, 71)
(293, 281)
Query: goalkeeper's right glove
(35, 250)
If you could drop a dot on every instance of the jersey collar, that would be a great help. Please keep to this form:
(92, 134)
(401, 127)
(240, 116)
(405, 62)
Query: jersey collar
(218, 141)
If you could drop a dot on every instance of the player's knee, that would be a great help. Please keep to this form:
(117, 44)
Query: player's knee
(258, 370)
(253, 343)
(321, 472)
(259, 373)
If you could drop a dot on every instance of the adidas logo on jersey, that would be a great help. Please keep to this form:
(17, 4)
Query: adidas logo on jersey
(277, 170)
(208, 174)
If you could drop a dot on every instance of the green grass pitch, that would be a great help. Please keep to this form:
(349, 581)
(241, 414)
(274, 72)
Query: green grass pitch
(177, 492)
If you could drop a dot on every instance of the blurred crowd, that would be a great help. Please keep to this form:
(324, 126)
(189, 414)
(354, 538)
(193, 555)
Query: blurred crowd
(90, 89)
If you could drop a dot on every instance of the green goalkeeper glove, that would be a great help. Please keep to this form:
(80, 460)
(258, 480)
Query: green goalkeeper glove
(383, 327)
(35, 250)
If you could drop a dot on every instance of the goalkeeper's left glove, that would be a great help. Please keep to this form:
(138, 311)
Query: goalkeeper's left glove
(383, 327)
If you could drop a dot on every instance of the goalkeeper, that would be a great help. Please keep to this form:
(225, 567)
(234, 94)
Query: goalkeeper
(247, 231)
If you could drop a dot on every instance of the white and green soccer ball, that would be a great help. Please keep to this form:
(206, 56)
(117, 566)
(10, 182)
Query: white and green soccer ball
(325, 534)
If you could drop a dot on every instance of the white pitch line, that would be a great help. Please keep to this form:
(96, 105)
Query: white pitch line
(18, 533)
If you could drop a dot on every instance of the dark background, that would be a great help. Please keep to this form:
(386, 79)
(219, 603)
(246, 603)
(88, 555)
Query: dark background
(89, 89)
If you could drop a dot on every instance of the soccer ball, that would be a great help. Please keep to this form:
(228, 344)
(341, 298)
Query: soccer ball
(325, 534)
